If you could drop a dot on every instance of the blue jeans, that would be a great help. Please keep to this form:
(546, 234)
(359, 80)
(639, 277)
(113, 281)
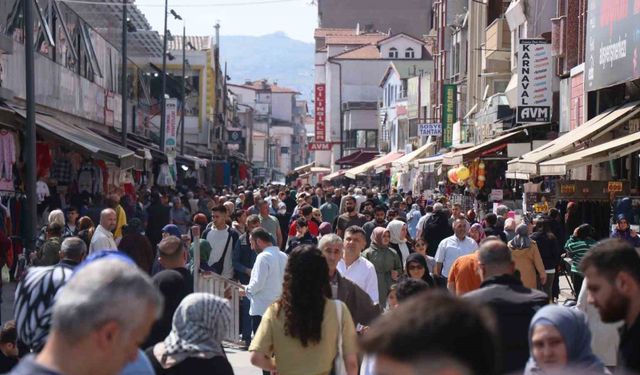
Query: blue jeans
(245, 320)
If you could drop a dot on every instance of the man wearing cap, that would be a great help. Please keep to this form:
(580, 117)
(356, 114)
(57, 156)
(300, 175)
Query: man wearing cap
(170, 230)
(103, 237)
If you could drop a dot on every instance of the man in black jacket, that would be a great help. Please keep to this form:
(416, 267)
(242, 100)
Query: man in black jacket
(491, 229)
(513, 304)
(436, 228)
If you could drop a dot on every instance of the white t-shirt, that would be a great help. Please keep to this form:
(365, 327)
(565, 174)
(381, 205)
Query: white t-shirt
(362, 273)
(451, 248)
(217, 238)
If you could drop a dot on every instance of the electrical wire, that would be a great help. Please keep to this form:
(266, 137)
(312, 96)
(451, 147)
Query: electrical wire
(214, 5)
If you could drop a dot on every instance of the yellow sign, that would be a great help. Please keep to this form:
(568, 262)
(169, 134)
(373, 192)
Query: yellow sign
(567, 188)
(614, 187)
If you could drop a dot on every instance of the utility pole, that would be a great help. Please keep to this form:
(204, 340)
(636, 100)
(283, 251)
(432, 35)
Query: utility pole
(163, 109)
(184, 74)
(124, 82)
(30, 130)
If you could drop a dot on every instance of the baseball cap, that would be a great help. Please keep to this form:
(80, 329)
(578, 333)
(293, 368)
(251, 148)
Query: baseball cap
(172, 229)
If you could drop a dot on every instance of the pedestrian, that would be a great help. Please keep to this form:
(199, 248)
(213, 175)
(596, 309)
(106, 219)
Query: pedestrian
(612, 273)
(159, 215)
(560, 339)
(72, 252)
(572, 218)
(476, 232)
(456, 213)
(86, 229)
(502, 213)
(416, 268)
(8, 347)
(222, 240)
(379, 220)
(194, 345)
(136, 245)
(355, 267)
(267, 275)
(324, 229)
(270, 223)
(576, 247)
(316, 217)
(302, 237)
(55, 217)
(385, 261)
(306, 212)
(510, 228)
(179, 215)
(550, 251)
(428, 211)
(244, 259)
(350, 218)
(528, 261)
(172, 255)
(329, 209)
(491, 227)
(71, 226)
(99, 318)
(399, 241)
(362, 308)
(102, 238)
(171, 285)
(49, 253)
(433, 334)
(436, 228)
(453, 247)
(113, 202)
(304, 328)
(624, 231)
(420, 247)
(512, 303)
(413, 217)
(239, 221)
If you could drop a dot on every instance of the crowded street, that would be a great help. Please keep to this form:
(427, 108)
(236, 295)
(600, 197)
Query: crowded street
(319, 187)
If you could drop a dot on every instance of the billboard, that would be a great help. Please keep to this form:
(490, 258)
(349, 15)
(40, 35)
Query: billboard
(613, 43)
(171, 126)
(320, 113)
(535, 77)
(449, 111)
(434, 128)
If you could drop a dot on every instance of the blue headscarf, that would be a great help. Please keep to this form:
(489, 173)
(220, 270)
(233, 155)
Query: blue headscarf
(572, 325)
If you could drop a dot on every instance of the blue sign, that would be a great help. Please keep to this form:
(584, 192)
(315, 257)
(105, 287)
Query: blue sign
(434, 128)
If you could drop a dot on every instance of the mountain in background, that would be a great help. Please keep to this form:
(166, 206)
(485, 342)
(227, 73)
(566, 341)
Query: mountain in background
(277, 57)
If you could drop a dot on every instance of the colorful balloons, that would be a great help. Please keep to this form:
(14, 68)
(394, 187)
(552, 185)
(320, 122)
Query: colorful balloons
(463, 173)
(453, 175)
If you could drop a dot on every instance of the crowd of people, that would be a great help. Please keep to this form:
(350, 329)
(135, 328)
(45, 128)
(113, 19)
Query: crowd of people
(335, 280)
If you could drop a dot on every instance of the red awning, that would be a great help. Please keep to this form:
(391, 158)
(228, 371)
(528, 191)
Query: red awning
(357, 158)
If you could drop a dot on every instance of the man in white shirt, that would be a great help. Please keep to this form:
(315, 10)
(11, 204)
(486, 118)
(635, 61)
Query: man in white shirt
(453, 247)
(103, 237)
(356, 268)
(267, 275)
(222, 240)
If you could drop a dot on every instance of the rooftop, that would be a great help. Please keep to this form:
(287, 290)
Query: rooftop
(369, 38)
(264, 85)
(324, 32)
(366, 52)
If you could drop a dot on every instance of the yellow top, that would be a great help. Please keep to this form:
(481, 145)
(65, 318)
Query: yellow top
(294, 359)
(121, 220)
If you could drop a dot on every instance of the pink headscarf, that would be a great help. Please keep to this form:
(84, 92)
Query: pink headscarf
(377, 234)
(478, 228)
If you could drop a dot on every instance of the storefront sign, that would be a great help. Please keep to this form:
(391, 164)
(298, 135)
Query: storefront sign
(497, 195)
(449, 111)
(614, 187)
(434, 129)
(235, 136)
(535, 73)
(612, 43)
(320, 113)
(170, 131)
(401, 110)
(567, 188)
(320, 146)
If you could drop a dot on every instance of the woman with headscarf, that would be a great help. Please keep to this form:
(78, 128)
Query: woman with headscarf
(510, 228)
(384, 260)
(526, 257)
(413, 217)
(136, 245)
(477, 233)
(171, 285)
(560, 340)
(416, 268)
(194, 345)
(398, 231)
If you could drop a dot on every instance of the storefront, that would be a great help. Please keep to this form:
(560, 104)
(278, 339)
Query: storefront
(376, 171)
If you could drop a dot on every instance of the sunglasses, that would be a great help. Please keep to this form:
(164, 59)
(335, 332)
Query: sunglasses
(415, 267)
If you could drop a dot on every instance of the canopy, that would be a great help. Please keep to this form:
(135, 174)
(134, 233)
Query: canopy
(458, 157)
(336, 174)
(364, 168)
(526, 166)
(593, 155)
(357, 158)
(419, 152)
(304, 168)
(320, 170)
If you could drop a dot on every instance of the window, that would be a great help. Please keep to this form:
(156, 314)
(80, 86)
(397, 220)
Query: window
(393, 53)
(361, 139)
(408, 53)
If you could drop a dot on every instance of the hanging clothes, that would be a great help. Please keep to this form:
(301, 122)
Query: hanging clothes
(164, 176)
(62, 171)
(8, 154)
(43, 159)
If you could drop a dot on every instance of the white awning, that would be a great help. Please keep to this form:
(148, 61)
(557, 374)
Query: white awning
(304, 168)
(415, 154)
(458, 157)
(364, 168)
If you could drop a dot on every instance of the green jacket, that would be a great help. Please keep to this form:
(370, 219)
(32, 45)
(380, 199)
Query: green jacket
(384, 260)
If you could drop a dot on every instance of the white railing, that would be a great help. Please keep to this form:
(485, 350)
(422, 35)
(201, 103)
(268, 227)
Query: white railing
(209, 282)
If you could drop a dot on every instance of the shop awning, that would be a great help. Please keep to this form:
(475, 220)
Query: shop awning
(83, 138)
(429, 164)
(304, 168)
(318, 170)
(526, 166)
(422, 151)
(375, 163)
(192, 161)
(458, 157)
(357, 158)
(611, 150)
(334, 175)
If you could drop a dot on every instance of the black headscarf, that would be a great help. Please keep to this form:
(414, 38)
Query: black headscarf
(171, 285)
(419, 258)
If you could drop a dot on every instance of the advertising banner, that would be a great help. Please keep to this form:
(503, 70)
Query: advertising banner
(449, 111)
(535, 74)
(434, 128)
(171, 127)
(320, 113)
(612, 45)
(320, 146)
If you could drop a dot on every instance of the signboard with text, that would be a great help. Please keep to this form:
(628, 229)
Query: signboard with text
(320, 146)
(612, 44)
(449, 111)
(320, 113)
(434, 129)
(171, 128)
(535, 74)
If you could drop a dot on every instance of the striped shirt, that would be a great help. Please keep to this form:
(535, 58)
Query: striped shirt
(576, 249)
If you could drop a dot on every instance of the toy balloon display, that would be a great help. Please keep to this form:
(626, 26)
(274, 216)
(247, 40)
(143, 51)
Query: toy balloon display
(463, 173)
(453, 176)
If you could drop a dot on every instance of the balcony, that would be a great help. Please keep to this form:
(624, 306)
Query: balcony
(497, 46)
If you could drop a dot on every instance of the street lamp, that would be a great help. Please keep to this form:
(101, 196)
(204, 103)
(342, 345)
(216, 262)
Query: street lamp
(163, 109)
(127, 27)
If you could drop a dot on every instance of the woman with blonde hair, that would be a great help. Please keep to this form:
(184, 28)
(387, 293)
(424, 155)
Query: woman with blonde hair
(55, 217)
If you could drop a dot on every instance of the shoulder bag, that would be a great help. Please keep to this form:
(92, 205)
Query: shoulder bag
(339, 367)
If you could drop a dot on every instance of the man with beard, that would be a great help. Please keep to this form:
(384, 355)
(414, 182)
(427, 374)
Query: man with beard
(378, 221)
(349, 218)
(612, 272)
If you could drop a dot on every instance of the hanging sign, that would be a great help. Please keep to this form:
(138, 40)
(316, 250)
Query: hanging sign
(434, 129)
(320, 113)
(449, 111)
(170, 131)
(535, 73)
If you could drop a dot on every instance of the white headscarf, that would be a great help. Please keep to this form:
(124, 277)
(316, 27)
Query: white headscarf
(395, 228)
(199, 325)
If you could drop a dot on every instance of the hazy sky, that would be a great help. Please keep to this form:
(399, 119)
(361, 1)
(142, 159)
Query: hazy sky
(297, 18)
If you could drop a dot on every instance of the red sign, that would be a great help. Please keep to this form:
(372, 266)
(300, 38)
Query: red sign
(320, 124)
(401, 110)
(320, 146)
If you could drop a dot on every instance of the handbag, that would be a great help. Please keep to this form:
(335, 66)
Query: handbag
(339, 367)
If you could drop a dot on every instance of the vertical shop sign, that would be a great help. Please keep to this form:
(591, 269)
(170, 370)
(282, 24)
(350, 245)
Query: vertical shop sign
(449, 110)
(170, 142)
(320, 113)
(535, 73)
